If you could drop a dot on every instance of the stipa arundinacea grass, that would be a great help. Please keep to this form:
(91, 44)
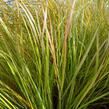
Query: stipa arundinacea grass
(54, 55)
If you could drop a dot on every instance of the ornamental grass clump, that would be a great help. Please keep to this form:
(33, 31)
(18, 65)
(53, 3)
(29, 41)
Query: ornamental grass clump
(54, 55)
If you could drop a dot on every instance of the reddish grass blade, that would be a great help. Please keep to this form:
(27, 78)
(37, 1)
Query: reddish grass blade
(65, 41)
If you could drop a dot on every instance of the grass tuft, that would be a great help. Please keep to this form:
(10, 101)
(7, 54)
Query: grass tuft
(54, 54)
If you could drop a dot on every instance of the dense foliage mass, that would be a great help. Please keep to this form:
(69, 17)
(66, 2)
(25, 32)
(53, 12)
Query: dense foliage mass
(54, 55)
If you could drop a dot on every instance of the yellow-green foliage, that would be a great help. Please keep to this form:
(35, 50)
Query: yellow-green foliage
(54, 54)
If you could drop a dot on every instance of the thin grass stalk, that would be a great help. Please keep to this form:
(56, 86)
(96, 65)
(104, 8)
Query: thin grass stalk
(65, 43)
